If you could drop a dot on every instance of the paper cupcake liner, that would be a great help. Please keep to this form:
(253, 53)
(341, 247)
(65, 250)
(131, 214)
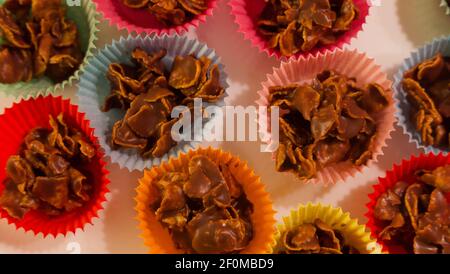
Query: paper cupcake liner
(15, 124)
(401, 103)
(351, 64)
(246, 13)
(85, 17)
(356, 234)
(94, 87)
(403, 172)
(141, 21)
(445, 6)
(158, 239)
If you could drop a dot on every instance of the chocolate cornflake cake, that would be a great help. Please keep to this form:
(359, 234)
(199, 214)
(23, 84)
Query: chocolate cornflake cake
(204, 208)
(329, 121)
(427, 86)
(148, 91)
(315, 238)
(293, 26)
(48, 174)
(38, 41)
(416, 215)
(170, 12)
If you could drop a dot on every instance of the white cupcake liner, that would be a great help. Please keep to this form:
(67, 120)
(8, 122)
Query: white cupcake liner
(445, 6)
(94, 87)
(402, 106)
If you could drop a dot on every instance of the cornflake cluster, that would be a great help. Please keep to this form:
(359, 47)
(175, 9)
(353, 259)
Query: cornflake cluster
(204, 208)
(428, 90)
(316, 238)
(294, 26)
(326, 122)
(417, 215)
(38, 41)
(47, 174)
(149, 91)
(170, 12)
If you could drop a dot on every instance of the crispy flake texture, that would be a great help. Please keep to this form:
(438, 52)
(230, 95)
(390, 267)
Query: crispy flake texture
(293, 26)
(204, 208)
(170, 12)
(39, 41)
(326, 122)
(47, 173)
(428, 91)
(417, 215)
(149, 91)
(316, 238)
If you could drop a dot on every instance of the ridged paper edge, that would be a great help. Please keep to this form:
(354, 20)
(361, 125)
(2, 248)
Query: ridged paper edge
(88, 96)
(241, 19)
(157, 238)
(401, 103)
(28, 90)
(345, 61)
(357, 234)
(37, 108)
(114, 19)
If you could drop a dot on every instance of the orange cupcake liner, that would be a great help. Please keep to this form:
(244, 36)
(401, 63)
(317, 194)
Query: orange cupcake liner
(158, 239)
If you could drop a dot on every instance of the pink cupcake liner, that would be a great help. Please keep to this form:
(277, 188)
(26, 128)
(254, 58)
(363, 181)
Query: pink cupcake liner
(246, 13)
(141, 21)
(346, 62)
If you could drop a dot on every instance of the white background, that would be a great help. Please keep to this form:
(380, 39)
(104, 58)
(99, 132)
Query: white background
(393, 30)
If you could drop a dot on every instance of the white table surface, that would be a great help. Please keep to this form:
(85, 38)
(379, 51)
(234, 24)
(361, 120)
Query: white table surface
(393, 30)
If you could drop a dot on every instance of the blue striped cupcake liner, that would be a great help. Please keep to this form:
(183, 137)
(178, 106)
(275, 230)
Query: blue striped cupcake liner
(94, 87)
(402, 105)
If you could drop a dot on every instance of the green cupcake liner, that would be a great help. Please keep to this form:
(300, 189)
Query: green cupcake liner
(86, 18)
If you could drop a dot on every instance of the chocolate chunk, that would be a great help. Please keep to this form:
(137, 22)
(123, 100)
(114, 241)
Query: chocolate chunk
(15, 65)
(54, 190)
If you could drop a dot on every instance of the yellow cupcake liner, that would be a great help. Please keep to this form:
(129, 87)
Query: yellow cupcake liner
(354, 233)
(158, 239)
